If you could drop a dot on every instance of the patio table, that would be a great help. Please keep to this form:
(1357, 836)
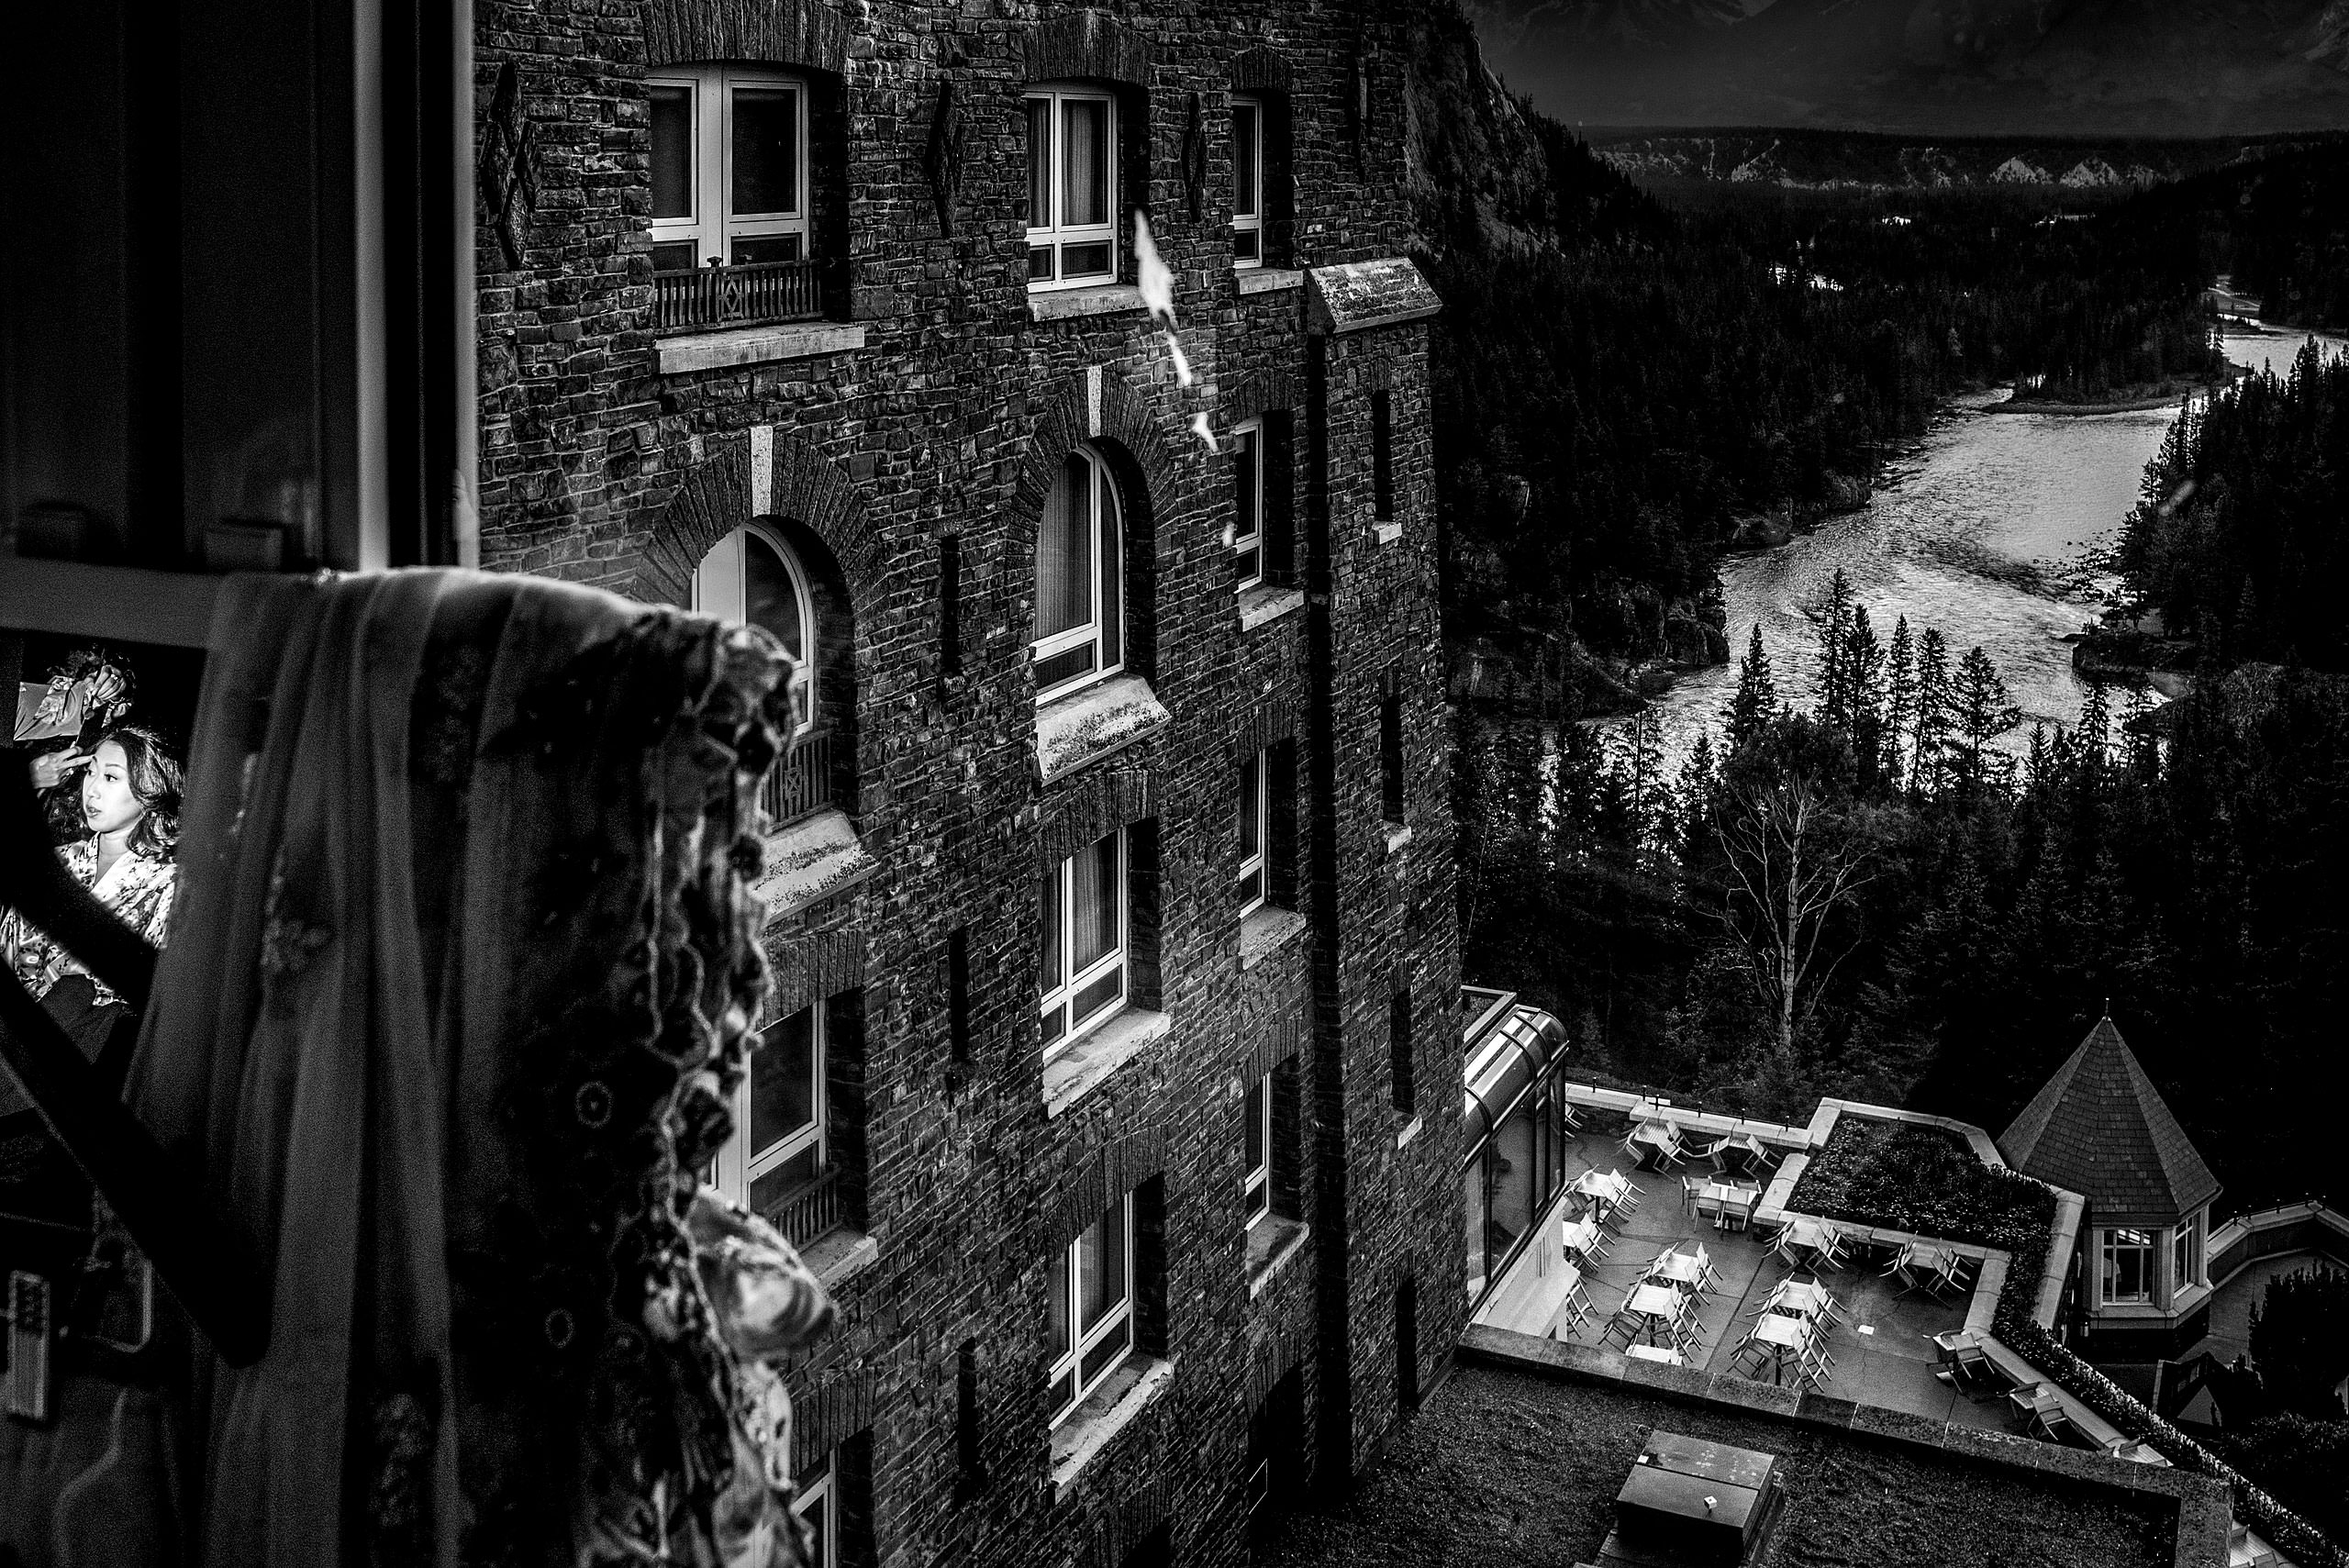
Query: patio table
(1659, 1304)
(1725, 1198)
(1816, 1236)
(1656, 1140)
(1663, 1353)
(1606, 1186)
(1783, 1338)
(2034, 1400)
(1796, 1298)
(1678, 1268)
(1581, 1236)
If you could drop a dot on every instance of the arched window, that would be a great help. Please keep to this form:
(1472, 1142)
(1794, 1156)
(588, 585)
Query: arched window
(752, 575)
(1080, 578)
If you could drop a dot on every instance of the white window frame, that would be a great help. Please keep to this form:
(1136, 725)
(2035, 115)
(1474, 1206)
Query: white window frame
(819, 1494)
(721, 588)
(738, 1167)
(1107, 517)
(2109, 1248)
(1062, 988)
(714, 226)
(1248, 501)
(1050, 233)
(1256, 1183)
(1255, 877)
(2186, 1254)
(1248, 221)
(1085, 1337)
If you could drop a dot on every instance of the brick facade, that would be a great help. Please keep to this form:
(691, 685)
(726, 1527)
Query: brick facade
(947, 422)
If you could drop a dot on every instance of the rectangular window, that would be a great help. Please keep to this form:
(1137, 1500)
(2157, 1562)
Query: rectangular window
(1092, 1288)
(1247, 182)
(1382, 454)
(1255, 833)
(1248, 503)
(1391, 749)
(783, 1096)
(1256, 1186)
(1072, 187)
(2186, 1254)
(1402, 1057)
(729, 167)
(818, 1504)
(2126, 1267)
(1084, 901)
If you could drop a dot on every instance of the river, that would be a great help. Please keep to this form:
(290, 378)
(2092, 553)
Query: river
(1989, 530)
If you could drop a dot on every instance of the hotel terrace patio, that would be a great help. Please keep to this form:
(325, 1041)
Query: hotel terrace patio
(1534, 1133)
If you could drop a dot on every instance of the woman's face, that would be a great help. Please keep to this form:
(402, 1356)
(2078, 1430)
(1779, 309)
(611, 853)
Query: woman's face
(107, 803)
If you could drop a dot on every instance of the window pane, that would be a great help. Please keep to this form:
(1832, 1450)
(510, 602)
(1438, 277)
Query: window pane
(1101, 1263)
(1068, 666)
(1254, 1110)
(1085, 261)
(1040, 173)
(1247, 567)
(768, 1192)
(1085, 187)
(1243, 158)
(1109, 988)
(1252, 889)
(1252, 808)
(771, 599)
(1244, 244)
(766, 150)
(1064, 552)
(1095, 929)
(1113, 575)
(1059, 1288)
(751, 250)
(677, 255)
(673, 153)
(1244, 482)
(782, 1081)
(1105, 1355)
(1039, 264)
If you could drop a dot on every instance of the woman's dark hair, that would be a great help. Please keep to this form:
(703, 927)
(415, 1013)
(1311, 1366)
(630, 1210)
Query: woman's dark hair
(155, 779)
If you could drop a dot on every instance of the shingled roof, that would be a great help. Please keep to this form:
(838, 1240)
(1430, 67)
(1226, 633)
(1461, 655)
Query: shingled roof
(2099, 1128)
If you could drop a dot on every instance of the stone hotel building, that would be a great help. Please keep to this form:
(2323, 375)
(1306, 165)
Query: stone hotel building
(1112, 1076)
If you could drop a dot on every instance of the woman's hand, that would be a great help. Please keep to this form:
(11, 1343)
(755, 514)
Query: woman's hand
(50, 768)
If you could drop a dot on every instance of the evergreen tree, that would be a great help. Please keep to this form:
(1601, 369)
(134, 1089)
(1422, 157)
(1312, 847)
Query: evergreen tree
(1899, 698)
(1756, 697)
(1864, 674)
(1983, 712)
(1834, 621)
(1929, 748)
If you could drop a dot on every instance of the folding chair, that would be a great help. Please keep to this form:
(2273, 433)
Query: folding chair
(1690, 1187)
(1568, 1118)
(1713, 1153)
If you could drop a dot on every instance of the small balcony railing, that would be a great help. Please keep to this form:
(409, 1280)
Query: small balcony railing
(801, 784)
(810, 1212)
(756, 293)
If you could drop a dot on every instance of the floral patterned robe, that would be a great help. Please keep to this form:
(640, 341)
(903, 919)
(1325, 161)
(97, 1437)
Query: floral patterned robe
(137, 887)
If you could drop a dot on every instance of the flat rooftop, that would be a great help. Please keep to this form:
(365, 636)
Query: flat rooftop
(1883, 1350)
(1503, 1466)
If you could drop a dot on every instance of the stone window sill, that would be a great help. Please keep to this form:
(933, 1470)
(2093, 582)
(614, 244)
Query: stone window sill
(1269, 279)
(1092, 723)
(1073, 1073)
(739, 346)
(1410, 1130)
(1271, 1243)
(839, 1256)
(1395, 835)
(1386, 533)
(1115, 1406)
(812, 859)
(1264, 930)
(1101, 299)
(1265, 603)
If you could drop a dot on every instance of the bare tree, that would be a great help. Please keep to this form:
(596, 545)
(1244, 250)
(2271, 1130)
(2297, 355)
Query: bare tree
(1792, 866)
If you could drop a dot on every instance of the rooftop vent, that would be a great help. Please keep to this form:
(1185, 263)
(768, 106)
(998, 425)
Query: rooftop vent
(1692, 1504)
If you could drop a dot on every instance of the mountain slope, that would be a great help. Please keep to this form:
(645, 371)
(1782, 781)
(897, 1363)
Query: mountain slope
(1951, 67)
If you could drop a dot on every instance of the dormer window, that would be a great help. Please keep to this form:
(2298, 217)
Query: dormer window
(733, 197)
(1072, 186)
(1247, 182)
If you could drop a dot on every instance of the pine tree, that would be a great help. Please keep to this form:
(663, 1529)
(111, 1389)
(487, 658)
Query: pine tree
(1699, 783)
(1983, 712)
(1864, 675)
(1756, 697)
(1899, 698)
(1929, 750)
(1834, 623)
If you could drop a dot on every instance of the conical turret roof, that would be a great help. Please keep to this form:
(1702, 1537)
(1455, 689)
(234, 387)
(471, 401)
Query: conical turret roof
(2099, 1128)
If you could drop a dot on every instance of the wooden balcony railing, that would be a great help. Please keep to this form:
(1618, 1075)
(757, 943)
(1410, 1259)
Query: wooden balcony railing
(811, 1211)
(801, 784)
(756, 293)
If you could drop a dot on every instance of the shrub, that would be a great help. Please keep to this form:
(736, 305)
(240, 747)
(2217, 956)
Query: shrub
(2300, 1337)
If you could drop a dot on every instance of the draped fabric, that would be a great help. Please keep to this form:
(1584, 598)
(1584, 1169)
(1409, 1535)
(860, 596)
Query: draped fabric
(461, 974)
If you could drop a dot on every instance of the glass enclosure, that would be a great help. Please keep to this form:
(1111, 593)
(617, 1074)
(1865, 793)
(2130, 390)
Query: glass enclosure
(1517, 1135)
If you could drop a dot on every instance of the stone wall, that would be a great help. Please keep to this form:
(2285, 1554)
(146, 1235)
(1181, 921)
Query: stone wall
(598, 467)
